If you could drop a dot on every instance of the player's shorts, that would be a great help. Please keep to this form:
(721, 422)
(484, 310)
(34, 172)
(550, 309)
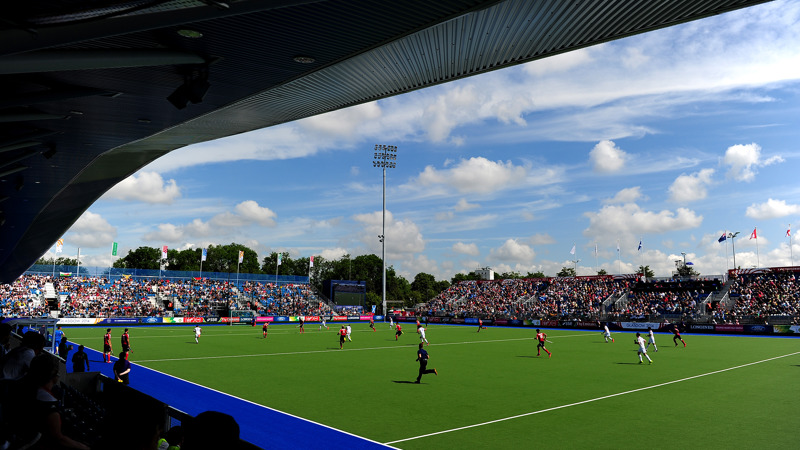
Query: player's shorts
(642, 350)
(606, 334)
(126, 348)
(341, 339)
(651, 341)
(398, 333)
(106, 348)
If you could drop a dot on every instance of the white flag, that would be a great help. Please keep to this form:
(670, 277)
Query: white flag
(311, 262)
(241, 256)
(164, 252)
(59, 245)
(572, 252)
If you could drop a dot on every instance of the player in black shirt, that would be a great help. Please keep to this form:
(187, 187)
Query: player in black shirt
(422, 357)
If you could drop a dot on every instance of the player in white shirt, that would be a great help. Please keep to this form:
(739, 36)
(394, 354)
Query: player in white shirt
(349, 330)
(421, 331)
(651, 339)
(197, 333)
(391, 322)
(642, 349)
(607, 334)
(323, 324)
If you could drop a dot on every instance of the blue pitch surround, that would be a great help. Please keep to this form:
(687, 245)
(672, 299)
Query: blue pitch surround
(260, 425)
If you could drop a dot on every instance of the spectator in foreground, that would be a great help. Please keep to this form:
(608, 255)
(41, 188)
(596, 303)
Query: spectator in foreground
(46, 417)
(80, 360)
(211, 430)
(16, 362)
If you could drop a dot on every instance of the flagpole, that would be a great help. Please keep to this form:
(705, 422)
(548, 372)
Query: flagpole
(758, 258)
(791, 250)
(201, 264)
(596, 263)
(619, 263)
(727, 262)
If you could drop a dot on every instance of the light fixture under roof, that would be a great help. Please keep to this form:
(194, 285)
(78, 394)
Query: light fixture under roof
(304, 59)
(191, 34)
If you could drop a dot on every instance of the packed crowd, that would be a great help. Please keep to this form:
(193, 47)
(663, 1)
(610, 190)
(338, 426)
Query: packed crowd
(758, 296)
(99, 297)
(655, 299)
(270, 299)
(539, 298)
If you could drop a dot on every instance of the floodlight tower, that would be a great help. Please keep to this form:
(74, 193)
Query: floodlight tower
(385, 157)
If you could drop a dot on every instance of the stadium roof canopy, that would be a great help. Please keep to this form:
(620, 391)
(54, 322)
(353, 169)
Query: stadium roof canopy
(93, 90)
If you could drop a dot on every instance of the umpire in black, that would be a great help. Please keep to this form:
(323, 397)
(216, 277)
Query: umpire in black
(422, 357)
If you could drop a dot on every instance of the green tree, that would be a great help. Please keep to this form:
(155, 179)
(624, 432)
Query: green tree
(646, 270)
(141, 258)
(566, 272)
(464, 277)
(537, 274)
(508, 276)
(62, 261)
(687, 271)
(602, 272)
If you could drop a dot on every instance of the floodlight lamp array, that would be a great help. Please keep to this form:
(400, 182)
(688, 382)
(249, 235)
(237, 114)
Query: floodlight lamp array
(385, 156)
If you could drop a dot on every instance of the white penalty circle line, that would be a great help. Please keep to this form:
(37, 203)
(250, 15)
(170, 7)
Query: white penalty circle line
(588, 401)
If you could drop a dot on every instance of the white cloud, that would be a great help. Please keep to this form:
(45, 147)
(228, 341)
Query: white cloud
(771, 209)
(245, 213)
(331, 254)
(444, 215)
(402, 236)
(744, 160)
(541, 239)
(146, 187)
(475, 175)
(629, 221)
(463, 205)
(606, 157)
(513, 251)
(688, 188)
(91, 230)
(466, 249)
(627, 195)
(166, 232)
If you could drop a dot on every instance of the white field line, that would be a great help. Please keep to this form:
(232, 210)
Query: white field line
(404, 346)
(590, 400)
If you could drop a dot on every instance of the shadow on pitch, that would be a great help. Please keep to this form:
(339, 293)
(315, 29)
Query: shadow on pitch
(403, 382)
(629, 363)
(527, 356)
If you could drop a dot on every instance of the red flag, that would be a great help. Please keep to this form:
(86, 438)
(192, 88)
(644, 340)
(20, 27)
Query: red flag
(789, 231)
(311, 262)
(753, 235)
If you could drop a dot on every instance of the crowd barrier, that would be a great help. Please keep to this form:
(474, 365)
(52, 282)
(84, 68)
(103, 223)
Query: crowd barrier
(626, 326)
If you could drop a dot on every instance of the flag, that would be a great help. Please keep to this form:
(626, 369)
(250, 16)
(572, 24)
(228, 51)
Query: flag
(640, 245)
(204, 255)
(279, 259)
(789, 231)
(311, 262)
(617, 246)
(59, 245)
(753, 235)
(572, 252)
(241, 256)
(722, 238)
(65, 274)
(689, 263)
(114, 249)
(164, 252)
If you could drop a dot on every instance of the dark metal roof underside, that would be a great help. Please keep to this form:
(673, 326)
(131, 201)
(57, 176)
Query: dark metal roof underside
(83, 102)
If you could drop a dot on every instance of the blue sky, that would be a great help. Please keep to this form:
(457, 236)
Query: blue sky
(670, 137)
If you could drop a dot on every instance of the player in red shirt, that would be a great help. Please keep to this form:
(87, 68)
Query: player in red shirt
(107, 346)
(480, 325)
(372, 323)
(398, 333)
(541, 337)
(265, 328)
(677, 336)
(125, 339)
(342, 337)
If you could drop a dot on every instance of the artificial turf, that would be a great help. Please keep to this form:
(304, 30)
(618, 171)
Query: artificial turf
(590, 394)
